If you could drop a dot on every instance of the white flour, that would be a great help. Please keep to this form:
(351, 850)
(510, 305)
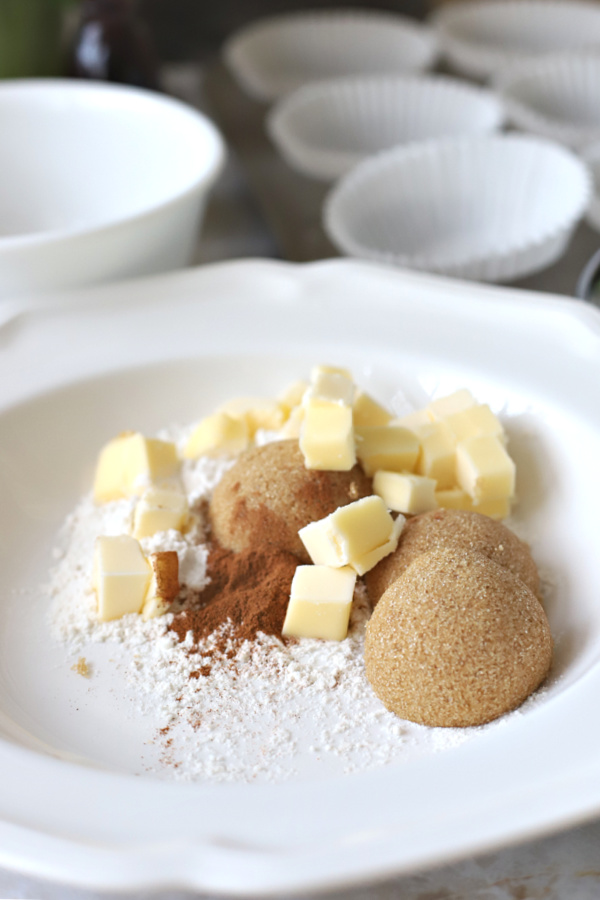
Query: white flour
(265, 715)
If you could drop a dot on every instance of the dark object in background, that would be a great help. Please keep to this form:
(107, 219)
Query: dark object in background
(112, 43)
(196, 29)
(588, 284)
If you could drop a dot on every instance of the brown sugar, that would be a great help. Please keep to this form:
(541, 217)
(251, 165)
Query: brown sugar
(269, 495)
(456, 640)
(460, 529)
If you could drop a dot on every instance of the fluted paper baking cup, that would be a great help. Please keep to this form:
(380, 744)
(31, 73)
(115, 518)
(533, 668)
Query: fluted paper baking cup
(557, 97)
(490, 208)
(592, 158)
(480, 38)
(325, 129)
(274, 56)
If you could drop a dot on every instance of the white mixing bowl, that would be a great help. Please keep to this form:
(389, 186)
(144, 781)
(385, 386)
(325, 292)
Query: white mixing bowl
(98, 182)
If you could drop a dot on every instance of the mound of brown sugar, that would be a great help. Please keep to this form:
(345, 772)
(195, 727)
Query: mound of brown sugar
(269, 495)
(456, 640)
(450, 528)
(249, 590)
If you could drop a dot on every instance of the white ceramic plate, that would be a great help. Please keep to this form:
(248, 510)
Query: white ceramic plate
(85, 366)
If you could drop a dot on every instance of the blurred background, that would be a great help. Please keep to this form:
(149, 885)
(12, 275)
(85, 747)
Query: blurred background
(36, 36)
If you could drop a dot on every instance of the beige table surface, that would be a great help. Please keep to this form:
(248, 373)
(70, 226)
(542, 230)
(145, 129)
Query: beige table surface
(261, 208)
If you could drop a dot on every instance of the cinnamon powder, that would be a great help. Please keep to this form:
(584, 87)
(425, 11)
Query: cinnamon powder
(250, 590)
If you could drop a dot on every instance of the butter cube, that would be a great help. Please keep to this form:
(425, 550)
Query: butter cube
(164, 585)
(293, 425)
(368, 412)
(453, 403)
(496, 508)
(404, 492)
(257, 412)
(219, 433)
(357, 535)
(438, 454)
(131, 462)
(159, 510)
(317, 371)
(330, 387)
(473, 422)
(453, 498)
(320, 603)
(121, 576)
(456, 498)
(291, 396)
(414, 421)
(484, 469)
(327, 437)
(372, 557)
(388, 447)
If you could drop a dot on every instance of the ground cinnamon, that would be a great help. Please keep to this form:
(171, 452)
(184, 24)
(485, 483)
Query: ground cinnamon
(250, 589)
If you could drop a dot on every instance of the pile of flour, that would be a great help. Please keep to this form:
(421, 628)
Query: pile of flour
(268, 713)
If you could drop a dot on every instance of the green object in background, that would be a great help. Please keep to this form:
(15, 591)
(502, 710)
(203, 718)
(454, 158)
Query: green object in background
(31, 37)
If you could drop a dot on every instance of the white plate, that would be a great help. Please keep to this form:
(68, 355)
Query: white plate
(75, 371)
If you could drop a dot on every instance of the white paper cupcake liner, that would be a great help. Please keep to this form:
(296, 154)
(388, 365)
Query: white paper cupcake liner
(557, 97)
(325, 129)
(275, 56)
(480, 38)
(592, 158)
(491, 208)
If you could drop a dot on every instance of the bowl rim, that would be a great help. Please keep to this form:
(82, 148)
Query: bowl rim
(348, 245)
(66, 88)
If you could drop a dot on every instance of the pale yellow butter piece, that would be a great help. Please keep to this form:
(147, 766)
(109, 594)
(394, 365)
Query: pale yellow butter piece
(121, 576)
(219, 433)
(453, 498)
(388, 447)
(291, 396)
(130, 463)
(484, 469)
(327, 437)
(474, 421)
(320, 603)
(453, 403)
(456, 498)
(330, 387)
(366, 562)
(257, 412)
(496, 508)
(164, 584)
(159, 509)
(356, 535)
(437, 458)
(293, 426)
(317, 371)
(368, 412)
(404, 492)
(414, 421)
